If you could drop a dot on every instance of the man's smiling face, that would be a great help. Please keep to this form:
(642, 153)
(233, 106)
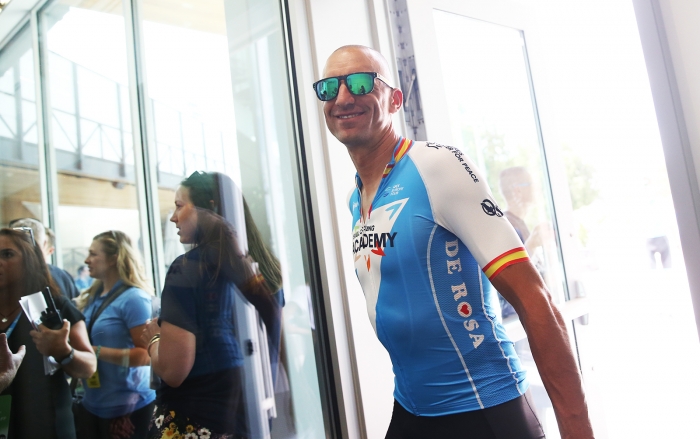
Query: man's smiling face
(359, 120)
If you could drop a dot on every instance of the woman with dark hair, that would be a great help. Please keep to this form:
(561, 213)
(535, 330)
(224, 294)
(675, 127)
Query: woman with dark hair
(193, 347)
(41, 404)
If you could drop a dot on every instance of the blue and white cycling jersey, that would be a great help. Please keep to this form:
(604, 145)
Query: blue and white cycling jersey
(431, 241)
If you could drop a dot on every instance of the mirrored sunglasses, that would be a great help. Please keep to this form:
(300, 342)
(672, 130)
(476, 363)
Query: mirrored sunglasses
(358, 84)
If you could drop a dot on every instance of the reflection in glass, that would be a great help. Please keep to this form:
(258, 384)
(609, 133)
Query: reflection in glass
(19, 154)
(492, 116)
(89, 124)
(218, 102)
(207, 291)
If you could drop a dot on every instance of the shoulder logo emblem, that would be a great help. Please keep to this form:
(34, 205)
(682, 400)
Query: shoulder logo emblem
(490, 208)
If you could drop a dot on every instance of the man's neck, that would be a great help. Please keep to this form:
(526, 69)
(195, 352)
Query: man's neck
(370, 160)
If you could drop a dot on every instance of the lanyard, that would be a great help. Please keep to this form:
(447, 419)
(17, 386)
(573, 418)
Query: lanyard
(12, 326)
(113, 294)
(95, 308)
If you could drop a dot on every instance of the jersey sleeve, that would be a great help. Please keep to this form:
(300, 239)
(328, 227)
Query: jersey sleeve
(462, 203)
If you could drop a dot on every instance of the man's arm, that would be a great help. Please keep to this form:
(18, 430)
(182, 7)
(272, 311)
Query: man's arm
(9, 362)
(523, 287)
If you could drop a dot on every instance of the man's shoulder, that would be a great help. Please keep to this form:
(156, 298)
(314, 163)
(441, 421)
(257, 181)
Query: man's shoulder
(64, 280)
(438, 159)
(57, 272)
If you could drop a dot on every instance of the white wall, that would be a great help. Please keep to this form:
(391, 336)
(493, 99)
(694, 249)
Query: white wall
(671, 42)
(680, 18)
(366, 379)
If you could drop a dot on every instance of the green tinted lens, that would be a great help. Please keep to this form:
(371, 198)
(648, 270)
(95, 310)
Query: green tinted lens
(360, 83)
(327, 89)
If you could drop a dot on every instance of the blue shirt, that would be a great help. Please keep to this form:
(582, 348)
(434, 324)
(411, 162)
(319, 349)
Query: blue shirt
(424, 255)
(122, 389)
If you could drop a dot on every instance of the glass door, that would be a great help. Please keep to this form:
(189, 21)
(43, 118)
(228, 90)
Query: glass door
(552, 100)
(477, 95)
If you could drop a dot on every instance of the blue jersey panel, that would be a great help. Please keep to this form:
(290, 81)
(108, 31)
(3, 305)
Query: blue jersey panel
(427, 297)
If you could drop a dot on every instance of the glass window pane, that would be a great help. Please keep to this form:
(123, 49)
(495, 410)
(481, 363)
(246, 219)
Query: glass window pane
(20, 194)
(491, 109)
(89, 125)
(219, 102)
(630, 261)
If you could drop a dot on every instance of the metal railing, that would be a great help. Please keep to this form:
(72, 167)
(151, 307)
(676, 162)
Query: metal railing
(107, 136)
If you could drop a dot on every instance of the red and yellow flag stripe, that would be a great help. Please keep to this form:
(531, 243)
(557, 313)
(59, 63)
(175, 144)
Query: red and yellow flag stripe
(402, 149)
(388, 169)
(510, 257)
(399, 152)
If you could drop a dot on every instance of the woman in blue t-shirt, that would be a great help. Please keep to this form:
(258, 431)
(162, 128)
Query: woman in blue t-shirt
(118, 401)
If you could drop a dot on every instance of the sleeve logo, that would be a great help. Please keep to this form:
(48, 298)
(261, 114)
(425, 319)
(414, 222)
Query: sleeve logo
(490, 208)
(458, 155)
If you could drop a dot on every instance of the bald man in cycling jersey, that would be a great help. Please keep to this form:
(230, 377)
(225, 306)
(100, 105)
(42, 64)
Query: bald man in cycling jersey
(428, 243)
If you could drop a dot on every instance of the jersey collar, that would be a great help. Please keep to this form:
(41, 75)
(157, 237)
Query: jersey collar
(400, 150)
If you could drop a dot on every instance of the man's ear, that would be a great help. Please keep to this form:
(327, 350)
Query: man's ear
(396, 100)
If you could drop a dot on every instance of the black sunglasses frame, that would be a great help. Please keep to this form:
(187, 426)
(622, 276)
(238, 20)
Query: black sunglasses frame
(344, 79)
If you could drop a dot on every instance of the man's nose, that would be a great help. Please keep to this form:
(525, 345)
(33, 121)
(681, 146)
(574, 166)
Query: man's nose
(344, 96)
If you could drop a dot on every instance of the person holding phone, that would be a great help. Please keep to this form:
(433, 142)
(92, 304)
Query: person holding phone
(40, 403)
(118, 400)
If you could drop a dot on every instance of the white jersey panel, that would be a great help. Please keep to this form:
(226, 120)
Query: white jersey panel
(462, 202)
(369, 242)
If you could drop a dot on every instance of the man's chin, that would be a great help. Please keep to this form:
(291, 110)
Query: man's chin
(350, 138)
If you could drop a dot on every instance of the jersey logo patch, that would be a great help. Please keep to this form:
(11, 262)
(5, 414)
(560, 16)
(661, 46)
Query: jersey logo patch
(490, 208)
(394, 190)
(376, 236)
(464, 309)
